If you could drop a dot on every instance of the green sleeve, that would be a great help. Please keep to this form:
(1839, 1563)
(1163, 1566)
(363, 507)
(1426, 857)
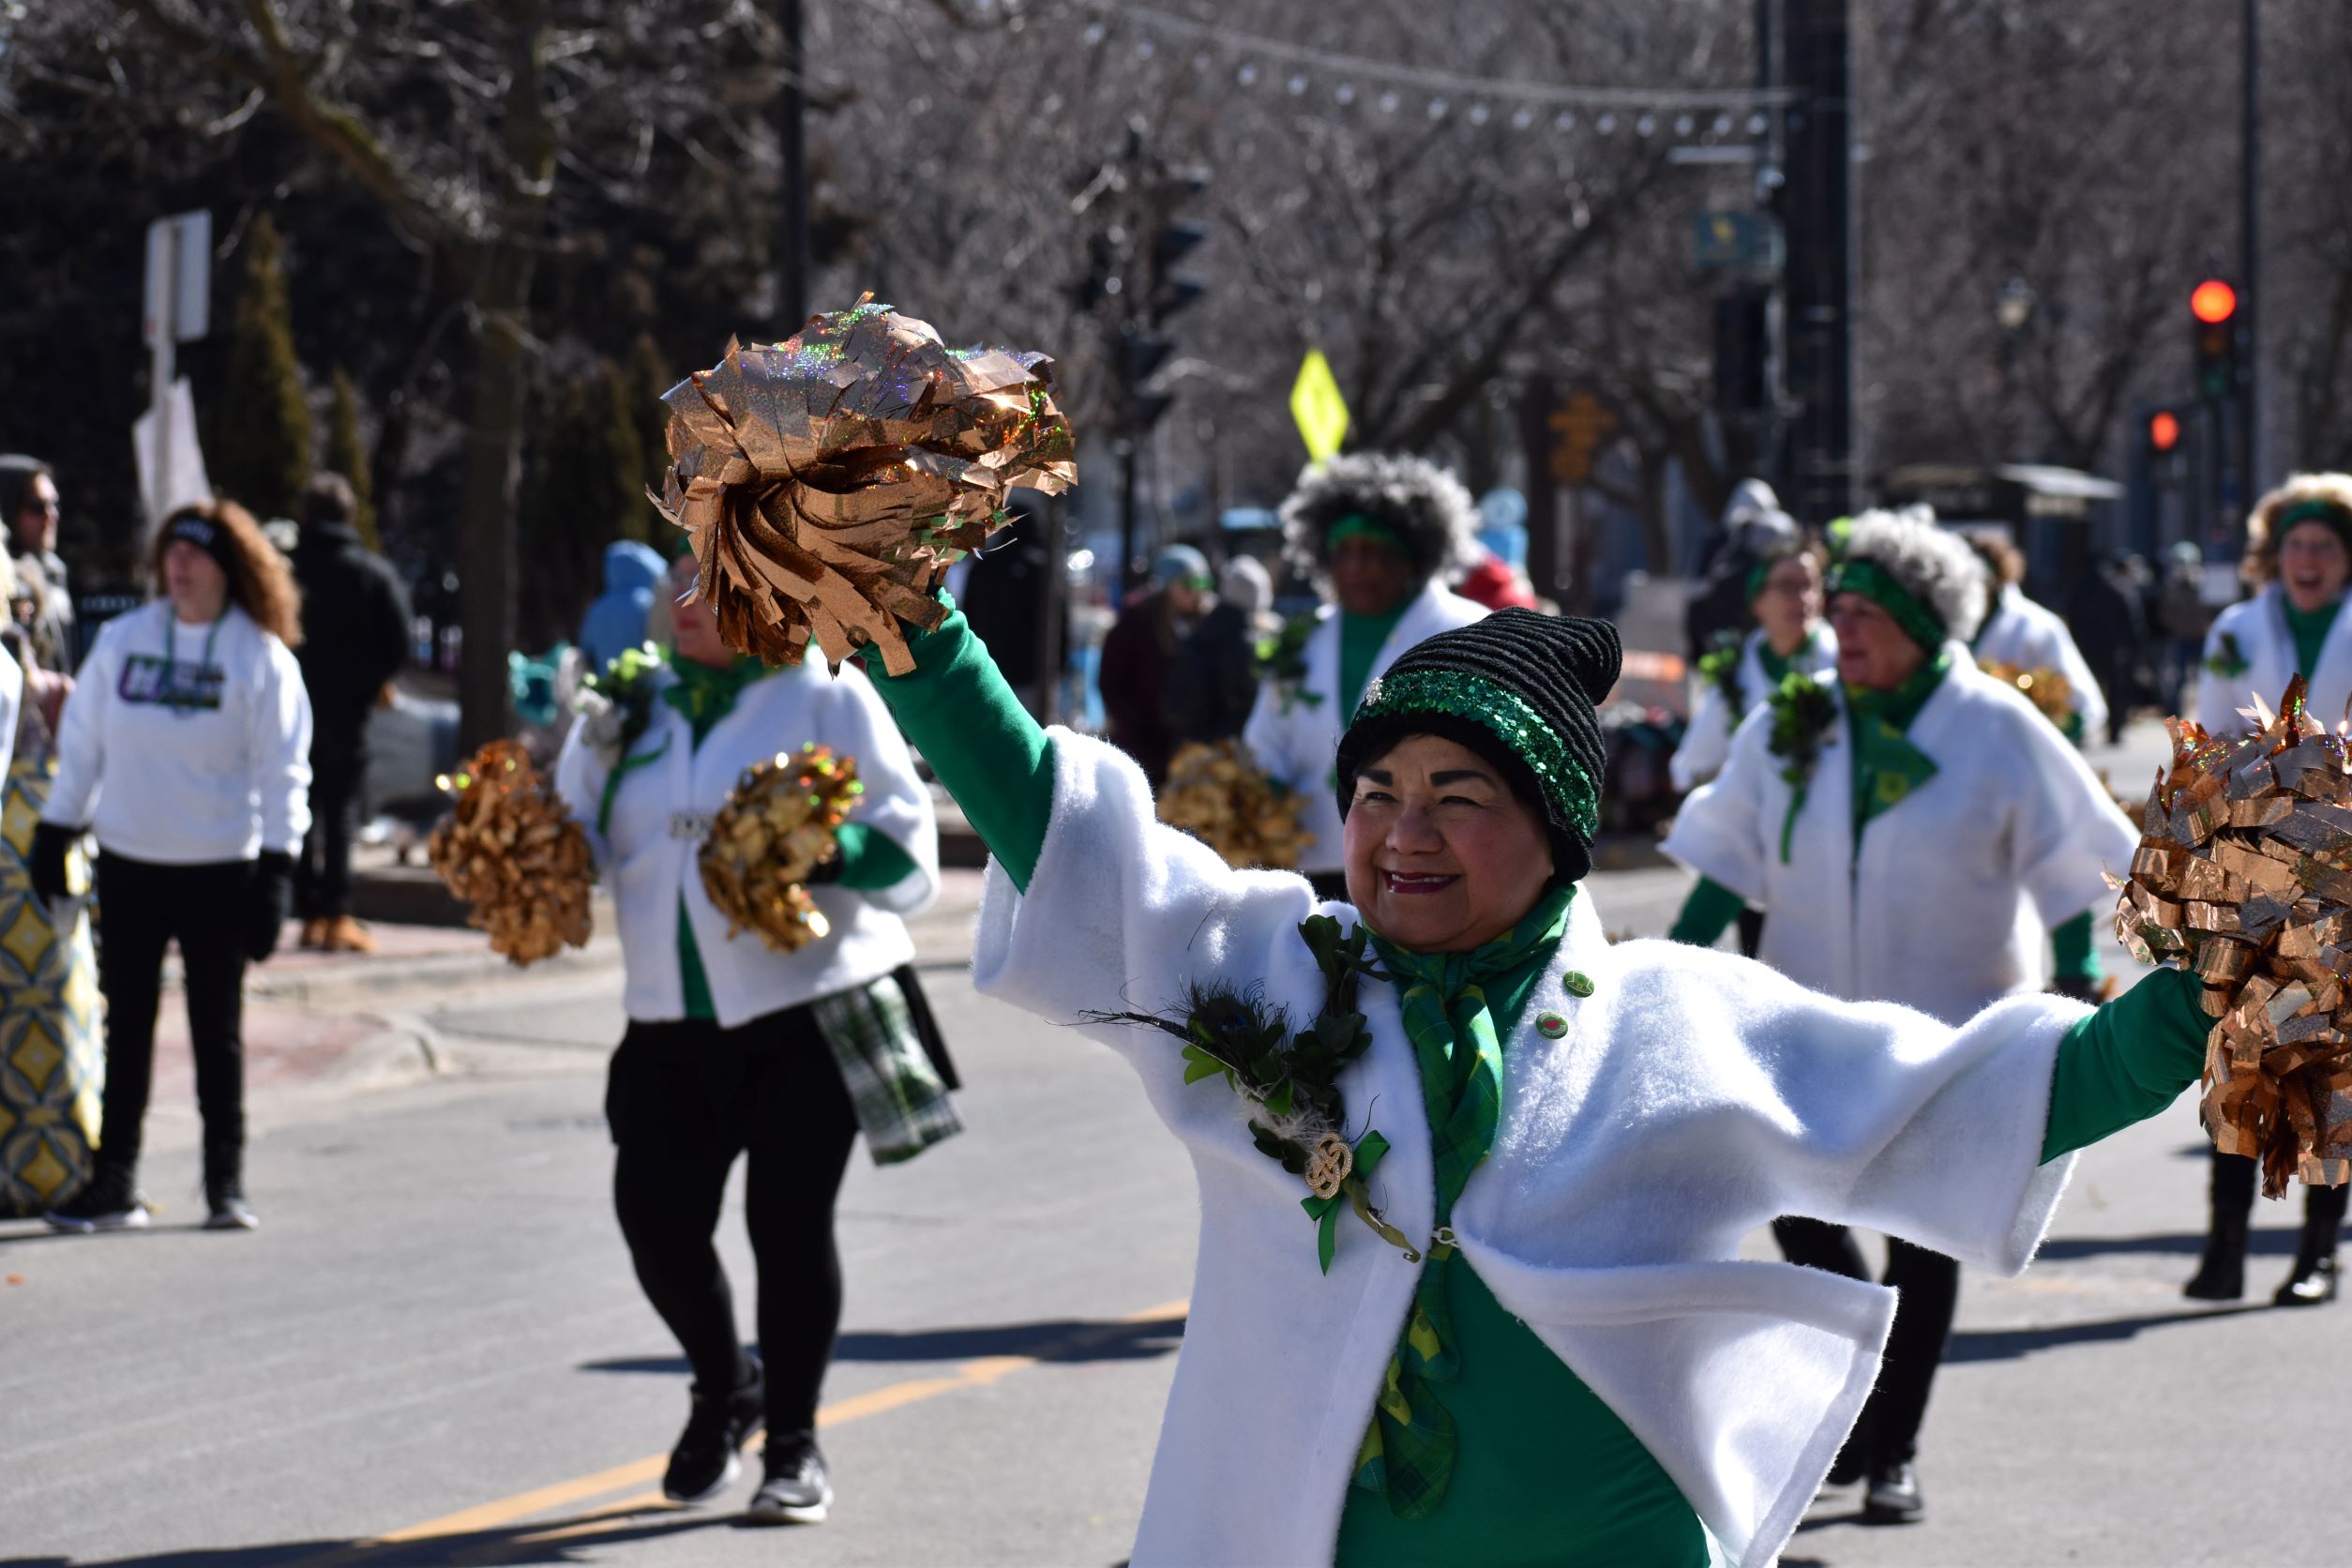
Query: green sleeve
(1706, 913)
(993, 758)
(869, 859)
(2073, 954)
(2127, 1061)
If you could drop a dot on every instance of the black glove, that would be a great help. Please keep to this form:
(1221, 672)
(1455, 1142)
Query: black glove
(268, 903)
(46, 863)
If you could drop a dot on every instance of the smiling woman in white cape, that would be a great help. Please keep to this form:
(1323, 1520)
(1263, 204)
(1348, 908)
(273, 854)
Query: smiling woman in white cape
(1511, 1324)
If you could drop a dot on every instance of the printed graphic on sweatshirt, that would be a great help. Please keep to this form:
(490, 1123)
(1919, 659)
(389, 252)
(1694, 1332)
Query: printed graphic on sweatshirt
(171, 683)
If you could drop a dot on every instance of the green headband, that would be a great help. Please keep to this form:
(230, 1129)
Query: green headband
(1513, 721)
(1876, 584)
(2313, 509)
(1355, 525)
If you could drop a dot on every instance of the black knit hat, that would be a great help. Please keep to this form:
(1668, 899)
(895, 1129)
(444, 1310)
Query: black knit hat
(1519, 688)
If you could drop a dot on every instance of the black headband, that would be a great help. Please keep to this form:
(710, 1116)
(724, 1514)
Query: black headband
(207, 535)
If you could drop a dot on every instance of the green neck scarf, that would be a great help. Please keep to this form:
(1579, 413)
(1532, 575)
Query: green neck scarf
(1777, 667)
(1409, 1449)
(1887, 766)
(1876, 584)
(706, 693)
(2308, 628)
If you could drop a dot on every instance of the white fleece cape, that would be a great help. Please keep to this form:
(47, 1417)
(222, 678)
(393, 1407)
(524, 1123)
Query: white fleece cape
(1707, 743)
(1943, 906)
(2257, 628)
(1693, 1096)
(1294, 735)
(2032, 636)
(651, 850)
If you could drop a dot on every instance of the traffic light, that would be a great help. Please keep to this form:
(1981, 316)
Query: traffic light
(2213, 306)
(2163, 432)
(1169, 292)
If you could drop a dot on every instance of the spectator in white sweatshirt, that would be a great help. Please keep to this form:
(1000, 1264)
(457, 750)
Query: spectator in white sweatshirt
(185, 750)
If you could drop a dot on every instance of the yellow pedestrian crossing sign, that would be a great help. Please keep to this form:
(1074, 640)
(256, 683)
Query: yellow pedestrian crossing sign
(1319, 408)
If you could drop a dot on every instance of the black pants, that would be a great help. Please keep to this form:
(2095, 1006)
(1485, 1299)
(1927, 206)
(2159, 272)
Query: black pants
(2235, 1178)
(1751, 930)
(684, 1099)
(141, 908)
(1928, 1287)
(323, 876)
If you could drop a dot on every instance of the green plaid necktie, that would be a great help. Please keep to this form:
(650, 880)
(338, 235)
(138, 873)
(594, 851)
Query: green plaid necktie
(1408, 1450)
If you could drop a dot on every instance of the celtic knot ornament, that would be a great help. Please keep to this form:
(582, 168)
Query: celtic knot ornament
(1328, 1168)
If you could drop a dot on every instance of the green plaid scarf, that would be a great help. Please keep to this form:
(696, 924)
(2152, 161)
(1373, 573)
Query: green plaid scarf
(1408, 1450)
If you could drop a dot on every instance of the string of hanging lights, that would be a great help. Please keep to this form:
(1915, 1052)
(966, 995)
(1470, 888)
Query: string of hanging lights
(1390, 88)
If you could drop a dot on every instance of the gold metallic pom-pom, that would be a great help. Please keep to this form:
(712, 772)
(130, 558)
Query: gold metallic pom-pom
(2051, 693)
(510, 850)
(830, 480)
(1217, 792)
(2244, 876)
(776, 827)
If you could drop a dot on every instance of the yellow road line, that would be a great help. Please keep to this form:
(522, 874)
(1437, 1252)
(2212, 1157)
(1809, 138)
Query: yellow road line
(523, 1505)
(595, 1522)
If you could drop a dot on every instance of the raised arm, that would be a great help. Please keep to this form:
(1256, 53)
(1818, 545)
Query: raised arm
(959, 713)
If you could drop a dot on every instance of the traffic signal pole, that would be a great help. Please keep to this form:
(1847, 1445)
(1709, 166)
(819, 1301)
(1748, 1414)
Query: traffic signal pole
(2249, 260)
(1818, 198)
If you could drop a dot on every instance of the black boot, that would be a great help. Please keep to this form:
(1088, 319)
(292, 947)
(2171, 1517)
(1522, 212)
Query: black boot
(2222, 1275)
(2314, 1281)
(2312, 1284)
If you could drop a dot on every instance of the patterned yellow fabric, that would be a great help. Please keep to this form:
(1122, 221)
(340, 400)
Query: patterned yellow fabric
(52, 1068)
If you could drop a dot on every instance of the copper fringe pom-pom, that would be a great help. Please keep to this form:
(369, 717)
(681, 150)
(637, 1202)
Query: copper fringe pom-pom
(2245, 874)
(511, 851)
(776, 827)
(1217, 793)
(828, 481)
(2051, 693)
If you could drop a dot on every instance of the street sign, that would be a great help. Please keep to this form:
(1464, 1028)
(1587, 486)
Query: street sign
(178, 300)
(170, 464)
(179, 278)
(1735, 241)
(1580, 427)
(1316, 405)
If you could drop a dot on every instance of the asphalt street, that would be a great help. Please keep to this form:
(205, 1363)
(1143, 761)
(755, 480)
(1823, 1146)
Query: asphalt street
(434, 1352)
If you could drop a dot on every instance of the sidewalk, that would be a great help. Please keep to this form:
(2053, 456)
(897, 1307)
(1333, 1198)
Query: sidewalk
(342, 1021)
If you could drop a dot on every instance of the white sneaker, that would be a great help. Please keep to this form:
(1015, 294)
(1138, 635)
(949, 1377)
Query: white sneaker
(796, 1492)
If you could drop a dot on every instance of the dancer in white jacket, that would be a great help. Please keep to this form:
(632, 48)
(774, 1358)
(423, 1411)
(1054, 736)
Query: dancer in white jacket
(1791, 638)
(1511, 1319)
(2018, 631)
(735, 1048)
(1894, 821)
(2299, 552)
(1385, 531)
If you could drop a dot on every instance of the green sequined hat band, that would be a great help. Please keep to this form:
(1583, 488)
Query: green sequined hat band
(1876, 584)
(1511, 720)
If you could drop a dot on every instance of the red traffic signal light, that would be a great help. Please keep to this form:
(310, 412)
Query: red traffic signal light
(2164, 429)
(2212, 302)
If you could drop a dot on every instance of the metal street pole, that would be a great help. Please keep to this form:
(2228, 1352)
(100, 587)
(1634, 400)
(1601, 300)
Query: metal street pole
(791, 139)
(2249, 261)
(1821, 282)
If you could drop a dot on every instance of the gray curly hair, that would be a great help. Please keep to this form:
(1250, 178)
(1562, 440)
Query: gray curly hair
(1426, 507)
(1933, 565)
